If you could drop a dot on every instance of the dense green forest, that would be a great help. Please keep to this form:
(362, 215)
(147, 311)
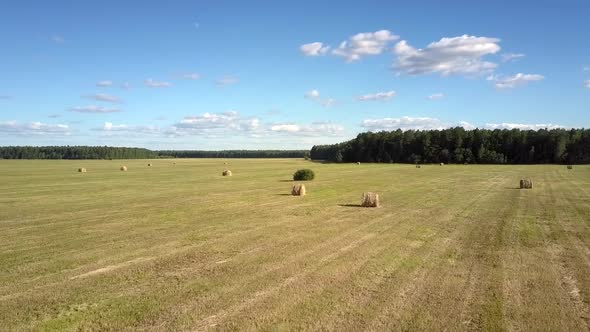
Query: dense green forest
(457, 145)
(236, 154)
(74, 152)
(105, 152)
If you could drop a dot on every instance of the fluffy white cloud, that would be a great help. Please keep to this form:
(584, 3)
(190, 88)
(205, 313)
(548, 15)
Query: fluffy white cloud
(364, 43)
(506, 57)
(191, 76)
(313, 129)
(314, 49)
(461, 55)
(226, 121)
(155, 84)
(104, 97)
(377, 96)
(466, 125)
(522, 126)
(33, 128)
(110, 129)
(436, 96)
(587, 84)
(226, 80)
(403, 123)
(312, 94)
(94, 109)
(104, 83)
(508, 82)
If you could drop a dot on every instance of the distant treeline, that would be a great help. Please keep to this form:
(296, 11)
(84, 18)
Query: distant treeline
(457, 145)
(74, 152)
(106, 152)
(235, 154)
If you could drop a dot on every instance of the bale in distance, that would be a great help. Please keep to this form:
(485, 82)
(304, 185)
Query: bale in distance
(149, 164)
(82, 170)
(526, 184)
(570, 166)
(123, 168)
(418, 166)
(227, 172)
(442, 164)
(370, 199)
(358, 162)
(298, 190)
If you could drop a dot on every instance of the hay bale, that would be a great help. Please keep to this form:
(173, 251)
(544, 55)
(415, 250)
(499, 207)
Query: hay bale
(370, 199)
(298, 190)
(227, 172)
(418, 166)
(358, 162)
(123, 168)
(149, 164)
(82, 170)
(442, 164)
(570, 166)
(526, 184)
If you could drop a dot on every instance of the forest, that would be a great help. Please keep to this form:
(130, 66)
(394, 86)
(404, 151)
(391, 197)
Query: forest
(460, 146)
(107, 152)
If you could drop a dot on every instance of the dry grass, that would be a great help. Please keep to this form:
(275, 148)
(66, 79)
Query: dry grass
(298, 190)
(453, 249)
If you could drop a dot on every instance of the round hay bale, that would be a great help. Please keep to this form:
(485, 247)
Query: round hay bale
(149, 164)
(418, 166)
(526, 184)
(123, 168)
(82, 170)
(173, 164)
(225, 162)
(442, 164)
(298, 190)
(358, 162)
(570, 166)
(227, 172)
(370, 199)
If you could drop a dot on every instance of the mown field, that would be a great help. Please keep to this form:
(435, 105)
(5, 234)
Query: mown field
(181, 248)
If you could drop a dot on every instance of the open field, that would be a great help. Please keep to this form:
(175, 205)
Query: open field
(183, 248)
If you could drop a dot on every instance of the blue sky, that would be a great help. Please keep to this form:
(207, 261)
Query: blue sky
(265, 74)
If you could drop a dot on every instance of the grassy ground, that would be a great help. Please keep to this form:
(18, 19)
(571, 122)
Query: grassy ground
(183, 248)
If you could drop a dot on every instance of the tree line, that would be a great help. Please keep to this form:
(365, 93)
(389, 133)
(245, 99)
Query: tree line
(108, 152)
(457, 145)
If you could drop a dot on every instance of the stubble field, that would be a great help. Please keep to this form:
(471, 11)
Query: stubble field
(180, 247)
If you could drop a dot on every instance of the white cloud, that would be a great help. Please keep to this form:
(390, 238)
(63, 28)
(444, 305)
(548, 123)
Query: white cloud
(461, 55)
(436, 96)
(312, 94)
(94, 109)
(313, 129)
(365, 43)
(33, 128)
(377, 96)
(587, 84)
(58, 39)
(586, 68)
(226, 80)
(126, 86)
(109, 128)
(466, 125)
(104, 83)
(314, 49)
(508, 82)
(404, 123)
(506, 57)
(191, 76)
(522, 126)
(104, 97)
(155, 84)
(226, 121)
